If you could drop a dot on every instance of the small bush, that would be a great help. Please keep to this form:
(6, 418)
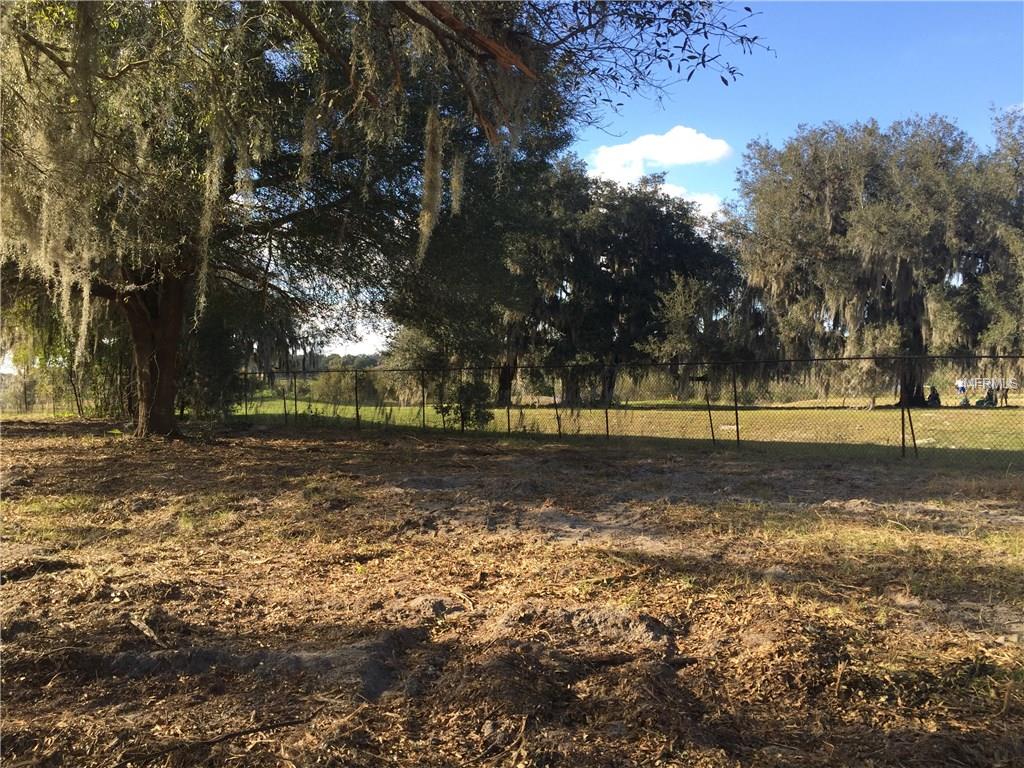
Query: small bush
(471, 405)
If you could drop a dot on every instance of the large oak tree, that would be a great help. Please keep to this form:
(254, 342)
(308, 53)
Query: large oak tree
(871, 241)
(150, 148)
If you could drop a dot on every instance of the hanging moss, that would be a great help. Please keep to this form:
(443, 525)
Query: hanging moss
(243, 169)
(212, 180)
(458, 174)
(311, 125)
(430, 199)
(83, 322)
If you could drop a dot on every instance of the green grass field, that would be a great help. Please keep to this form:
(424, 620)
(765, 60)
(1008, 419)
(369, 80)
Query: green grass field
(1000, 429)
(807, 422)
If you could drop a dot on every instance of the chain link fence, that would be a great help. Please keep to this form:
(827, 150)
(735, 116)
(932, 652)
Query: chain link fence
(63, 393)
(971, 405)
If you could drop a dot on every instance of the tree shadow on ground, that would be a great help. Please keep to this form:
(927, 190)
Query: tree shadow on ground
(919, 583)
(538, 691)
(521, 472)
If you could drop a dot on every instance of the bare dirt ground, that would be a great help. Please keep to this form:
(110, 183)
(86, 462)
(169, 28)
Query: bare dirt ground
(270, 599)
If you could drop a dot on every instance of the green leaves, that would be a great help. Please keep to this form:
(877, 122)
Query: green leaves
(856, 229)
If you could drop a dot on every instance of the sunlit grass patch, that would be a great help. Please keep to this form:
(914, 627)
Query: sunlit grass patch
(205, 514)
(56, 519)
(949, 428)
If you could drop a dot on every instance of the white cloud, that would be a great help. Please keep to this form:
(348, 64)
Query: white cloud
(708, 203)
(681, 145)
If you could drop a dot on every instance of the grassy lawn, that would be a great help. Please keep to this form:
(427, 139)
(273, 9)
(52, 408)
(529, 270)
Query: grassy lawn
(1000, 429)
(307, 597)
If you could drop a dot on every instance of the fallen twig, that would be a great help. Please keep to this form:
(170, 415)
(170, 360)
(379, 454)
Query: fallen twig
(149, 756)
(618, 576)
(462, 596)
(144, 628)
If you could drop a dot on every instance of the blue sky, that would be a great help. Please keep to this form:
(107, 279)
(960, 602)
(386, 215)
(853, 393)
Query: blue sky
(829, 61)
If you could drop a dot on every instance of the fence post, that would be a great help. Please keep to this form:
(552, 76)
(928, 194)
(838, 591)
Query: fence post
(607, 391)
(284, 401)
(295, 396)
(913, 438)
(355, 377)
(903, 426)
(554, 399)
(707, 399)
(461, 391)
(423, 399)
(440, 399)
(735, 405)
(508, 404)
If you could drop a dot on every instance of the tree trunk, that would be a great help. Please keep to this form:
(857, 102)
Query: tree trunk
(506, 376)
(910, 313)
(75, 392)
(912, 385)
(609, 377)
(154, 319)
(571, 387)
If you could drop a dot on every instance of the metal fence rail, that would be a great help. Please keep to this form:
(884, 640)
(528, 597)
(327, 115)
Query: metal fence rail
(847, 401)
(821, 403)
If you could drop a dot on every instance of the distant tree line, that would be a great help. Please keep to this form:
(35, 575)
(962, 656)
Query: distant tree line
(846, 241)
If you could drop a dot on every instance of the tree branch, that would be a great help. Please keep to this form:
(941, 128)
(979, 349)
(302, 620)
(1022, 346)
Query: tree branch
(297, 12)
(487, 125)
(123, 70)
(104, 291)
(43, 48)
(438, 31)
(503, 54)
